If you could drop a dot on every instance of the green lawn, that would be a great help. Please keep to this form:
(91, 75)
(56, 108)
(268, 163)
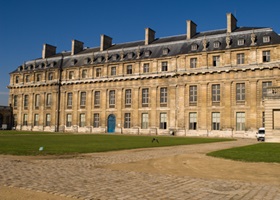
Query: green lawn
(28, 143)
(261, 152)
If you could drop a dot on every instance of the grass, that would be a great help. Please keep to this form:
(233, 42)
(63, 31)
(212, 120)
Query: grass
(28, 143)
(261, 152)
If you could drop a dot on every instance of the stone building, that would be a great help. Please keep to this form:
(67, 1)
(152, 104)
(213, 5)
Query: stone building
(209, 83)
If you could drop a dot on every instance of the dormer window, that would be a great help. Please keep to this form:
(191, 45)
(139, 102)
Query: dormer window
(74, 61)
(42, 65)
(240, 42)
(147, 53)
(130, 55)
(216, 44)
(114, 57)
(31, 67)
(194, 47)
(165, 51)
(87, 61)
(99, 59)
(266, 39)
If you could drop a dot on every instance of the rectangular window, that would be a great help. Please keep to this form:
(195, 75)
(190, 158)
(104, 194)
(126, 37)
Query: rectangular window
(37, 101)
(36, 119)
(82, 120)
(164, 66)
(83, 99)
(193, 94)
(25, 101)
(216, 44)
(264, 88)
(25, 118)
(84, 73)
(216, 93)
(127, 120)
(128, 97)
(15, 100)
(216, 61)
(193, 121)
(50, 76)
(193, 62)
(216, 121)
(146, 68)
(96, 120)
(129, 69)
(68, 120)
(97, 99)
(38, 77)
(17, 79)
(163, 95)
(27, 78)
(266, 56)
(113, 71)
(240, 121)
(266, 39)
(240, 42)
(69, 99)
(240, 58)
(48, 119)
(145, 121)
(71, 75)
(98, 72)
(49, 100)
(163, 121)
(145, 97)
(240, 92)
(112, 98)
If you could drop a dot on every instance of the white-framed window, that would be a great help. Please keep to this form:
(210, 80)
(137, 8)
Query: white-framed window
(37, 101)
(25, 119)
(265, 84)
(165, 51)
(68, 120)
(113, 71)
(164, 66)
(216, 121)
(163, 95)
(145, 121)
(82, 120)
(36, 119)
(193, 94)
(84, 73)
(147, 53)
(48, 119)
(240, 42)
(194, 47)
(129, 69)
(193, 62)
(49, 100)
(163, 121)
(69, 99)
(83, 99)
(128, 97)
(266, 56)
(266, 39)
(193, 121)
(114, 57)
(96, 120)
(145, 97)
(127, 119)
(216, 61)
(98, 72)
(146, 67)
(112, 98)
(15, 100)
(240, 92)
(216, 44)
(240, 121)
(216, 93)
(240, 58)
(96, 99)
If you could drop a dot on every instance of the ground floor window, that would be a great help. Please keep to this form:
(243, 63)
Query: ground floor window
(193, 121)
(163, 121)
(48, 119)
(145, 121)
(215, 121)
(96, 120)
(25, 118)
(127, 120)
(240, 121)
(68, 120)
(82, 120)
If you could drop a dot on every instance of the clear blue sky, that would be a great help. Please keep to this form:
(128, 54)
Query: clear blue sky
(25, 25)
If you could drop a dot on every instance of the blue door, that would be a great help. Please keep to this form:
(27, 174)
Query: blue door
(111, 123)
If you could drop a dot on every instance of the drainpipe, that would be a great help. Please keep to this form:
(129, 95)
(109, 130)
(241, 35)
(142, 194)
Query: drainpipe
(59, 94)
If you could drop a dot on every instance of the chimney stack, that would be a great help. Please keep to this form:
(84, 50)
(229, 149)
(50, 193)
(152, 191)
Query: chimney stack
(149, 36)
(105, 42)
(231, 23)
(191, 29)
(48, 51)
(77, 47)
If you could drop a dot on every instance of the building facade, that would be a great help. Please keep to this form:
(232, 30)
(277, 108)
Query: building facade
(198, 84)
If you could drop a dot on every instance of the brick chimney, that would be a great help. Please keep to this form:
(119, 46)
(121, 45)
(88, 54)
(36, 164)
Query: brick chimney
(48, 51)
(149, 36)
(231, 23)
(105, 42)
(191, 29)
(77, 47)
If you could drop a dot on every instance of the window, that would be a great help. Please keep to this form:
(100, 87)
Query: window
(128, 97)
(96, 120)
(146, 68)
(164, 66)
(163, 121)
(264, 88)
(163, 95)
(113, 71)
(38, 77)
(49, 100)
(37, 101)
(216, 93)
(71, 75)
(194, 47)
(266, 39)
(114, 57)
(145, 121)
(193, 121)
(266, 56)
(74, 61)
(84, 73)
(25, 118)
(165, 51)
(240, 42)
(69, 99)
(240, 121)
(145, 97)
(17, 79)
(15, 121)
(48, 119)
(83, 99)
(129, 69)
(215, 121)
(27, 78)
(36, 119)
(98, 72)
(96, 99)
(112, 98)
(50, 76)
(240, 92)
(127, 120)
(15, 100)
(216, 61)
(68, 120)
(240, 58)
(193, 62)
(216, 44)
(193, 94)
(130, 55)
(25, 101)
(87, 61)
(147, 53)
(99, 59)
(82, 120)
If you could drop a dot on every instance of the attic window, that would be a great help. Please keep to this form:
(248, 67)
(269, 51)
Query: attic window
(42, 65)
(99, 59)
(216, 44)
(240, 42)
(147, 53)
(114, 57)
(31, 67)
(165, 51)
(74, 61)
(194, 47)
(130, 55)
(86, 61)
(266, 39)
